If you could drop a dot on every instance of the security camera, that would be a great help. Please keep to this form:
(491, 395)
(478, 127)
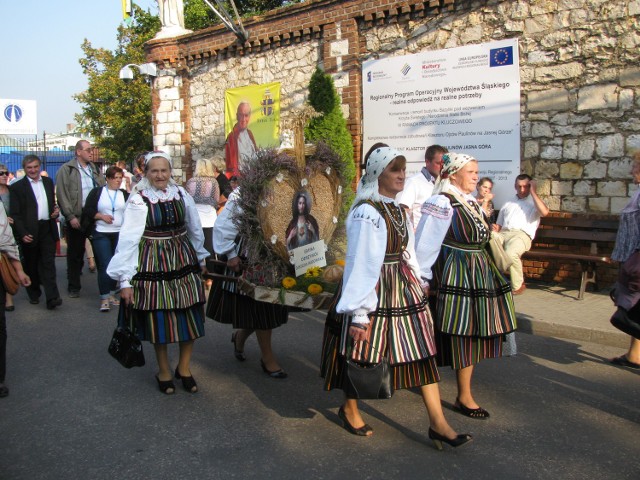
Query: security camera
(126, 73)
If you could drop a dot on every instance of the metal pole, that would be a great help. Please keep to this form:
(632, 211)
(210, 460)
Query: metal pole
(44, 146)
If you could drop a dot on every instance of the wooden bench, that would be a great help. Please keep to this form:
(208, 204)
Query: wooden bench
(598, 234)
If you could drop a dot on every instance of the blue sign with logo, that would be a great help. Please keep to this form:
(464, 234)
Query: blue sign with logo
(18, 117)
(13, 113)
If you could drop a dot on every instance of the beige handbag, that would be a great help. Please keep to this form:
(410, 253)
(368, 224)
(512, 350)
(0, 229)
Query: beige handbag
(9, 275)
(500, 257)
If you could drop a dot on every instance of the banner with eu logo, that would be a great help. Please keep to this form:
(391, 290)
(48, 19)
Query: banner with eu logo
(457, 97)
(499, 57)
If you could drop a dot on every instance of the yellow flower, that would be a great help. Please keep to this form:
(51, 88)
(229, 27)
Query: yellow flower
(313, 272)
(314, 289)
(340, 262)
(288, 282)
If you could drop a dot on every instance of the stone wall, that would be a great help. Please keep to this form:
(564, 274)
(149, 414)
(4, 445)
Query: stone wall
(580, 82)
(292, 66)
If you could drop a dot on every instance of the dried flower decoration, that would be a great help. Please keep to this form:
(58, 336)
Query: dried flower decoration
(314, 289)
(288, 282)
(313, 272)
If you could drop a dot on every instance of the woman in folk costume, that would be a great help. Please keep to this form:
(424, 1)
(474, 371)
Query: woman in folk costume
(381, 307)
(227, 304)
(474, 306)
(158, 262)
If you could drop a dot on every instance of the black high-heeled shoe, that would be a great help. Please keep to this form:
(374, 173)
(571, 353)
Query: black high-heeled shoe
(454, 442)
(188, 383)
(477, 413)
(239, 354)
(363, 431)
(279, 374)
(165, 386)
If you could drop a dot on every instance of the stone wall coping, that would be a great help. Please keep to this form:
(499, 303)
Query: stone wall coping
(277, 29)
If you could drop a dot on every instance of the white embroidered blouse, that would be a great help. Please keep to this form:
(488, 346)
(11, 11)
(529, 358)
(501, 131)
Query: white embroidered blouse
(366, 246)
(124, 264)
(437, 214)
(225, 230)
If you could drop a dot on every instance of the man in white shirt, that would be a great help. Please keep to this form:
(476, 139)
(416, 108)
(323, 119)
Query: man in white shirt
(126, 176)
(517, 224)
(419, 187)
(35, 214)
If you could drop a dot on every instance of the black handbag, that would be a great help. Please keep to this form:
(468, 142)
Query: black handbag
(125, 346)
(367, 381)
(622, 320)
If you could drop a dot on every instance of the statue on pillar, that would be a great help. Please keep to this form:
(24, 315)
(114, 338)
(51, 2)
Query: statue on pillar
(172, 18)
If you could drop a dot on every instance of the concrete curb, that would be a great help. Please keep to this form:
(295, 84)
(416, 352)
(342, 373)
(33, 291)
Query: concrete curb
(551, 310)
(572, 332)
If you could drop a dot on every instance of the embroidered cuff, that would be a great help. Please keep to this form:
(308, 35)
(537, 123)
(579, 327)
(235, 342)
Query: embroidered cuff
(124, 283)
(360, 318)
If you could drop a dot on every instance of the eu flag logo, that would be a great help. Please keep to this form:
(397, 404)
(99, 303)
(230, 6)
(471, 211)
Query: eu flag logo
(499, 57)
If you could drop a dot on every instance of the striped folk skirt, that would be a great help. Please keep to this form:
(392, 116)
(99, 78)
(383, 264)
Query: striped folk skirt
(227, 305)
(401, 329)
(474, 307)
(168, 293)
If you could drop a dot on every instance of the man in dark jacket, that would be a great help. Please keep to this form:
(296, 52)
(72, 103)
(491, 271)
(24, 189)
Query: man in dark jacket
(34, 214)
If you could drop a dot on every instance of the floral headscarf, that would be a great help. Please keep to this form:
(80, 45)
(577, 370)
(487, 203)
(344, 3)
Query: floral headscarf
(378, 160)
(451, 163)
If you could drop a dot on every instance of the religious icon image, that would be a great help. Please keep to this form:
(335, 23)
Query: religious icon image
(240, 146)
(303, 228)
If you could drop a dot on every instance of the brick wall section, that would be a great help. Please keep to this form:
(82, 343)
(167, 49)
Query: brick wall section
(185, 118)
(569, 272)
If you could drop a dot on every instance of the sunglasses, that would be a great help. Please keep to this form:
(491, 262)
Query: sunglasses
(4, 174)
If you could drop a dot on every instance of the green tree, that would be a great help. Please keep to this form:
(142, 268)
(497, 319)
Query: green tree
(117, 114)
(331, 127)
(198, 15)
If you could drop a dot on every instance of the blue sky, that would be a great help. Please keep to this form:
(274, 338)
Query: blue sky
(40, 49)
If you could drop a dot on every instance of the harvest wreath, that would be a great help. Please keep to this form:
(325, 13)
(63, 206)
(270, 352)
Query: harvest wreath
(268, 223)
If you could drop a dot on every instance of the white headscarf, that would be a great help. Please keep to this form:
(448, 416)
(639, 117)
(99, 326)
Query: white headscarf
(158, 153)
(451, 163)
(378, 160)
(144, 183)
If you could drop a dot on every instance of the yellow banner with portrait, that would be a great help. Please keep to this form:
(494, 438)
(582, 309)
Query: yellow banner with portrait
(251, 121)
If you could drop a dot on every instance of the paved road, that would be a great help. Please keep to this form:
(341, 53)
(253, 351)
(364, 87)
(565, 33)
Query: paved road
(558, 411)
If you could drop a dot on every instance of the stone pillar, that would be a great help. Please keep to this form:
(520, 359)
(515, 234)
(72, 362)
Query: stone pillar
(170, 107)
(169, 118)
(340, 58)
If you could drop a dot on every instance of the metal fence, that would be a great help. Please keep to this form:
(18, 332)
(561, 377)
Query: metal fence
(52, 159)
